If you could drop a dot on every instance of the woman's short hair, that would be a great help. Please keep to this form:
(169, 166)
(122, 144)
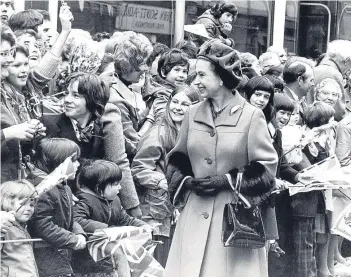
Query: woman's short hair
(21, 49)
(247, 59)
(96, 175)
(14, 191)
(171, 59)
(283, 102)
(49, 153)
(106, 60)
(130, 50)
(318, 114)
(270, 61)
(319, 87)
(261, 83)
(7, 34)
(220, 8)
(28, 19)
(93, 89)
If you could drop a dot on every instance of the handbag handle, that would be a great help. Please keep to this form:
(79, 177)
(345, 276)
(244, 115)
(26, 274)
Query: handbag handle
(237, 190)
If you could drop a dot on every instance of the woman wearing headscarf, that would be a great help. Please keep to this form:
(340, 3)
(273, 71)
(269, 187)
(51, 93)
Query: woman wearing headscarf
(217, 137)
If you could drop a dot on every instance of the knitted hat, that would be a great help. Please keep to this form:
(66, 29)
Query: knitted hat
(222, 55)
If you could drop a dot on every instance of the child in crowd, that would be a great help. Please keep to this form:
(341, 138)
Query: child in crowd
(17, 258)
(323, 146)
(291, 137)
(100, 207)
(53, 217)
(173, 67)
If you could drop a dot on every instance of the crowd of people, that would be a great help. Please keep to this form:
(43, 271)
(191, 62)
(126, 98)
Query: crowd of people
(112, 130)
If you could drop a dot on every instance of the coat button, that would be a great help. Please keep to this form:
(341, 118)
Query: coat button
(209, 160)
(205, 215)
(212, 134)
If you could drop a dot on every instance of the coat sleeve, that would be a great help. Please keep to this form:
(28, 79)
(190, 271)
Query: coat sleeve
(82, 214)
(260, 147)
(179, 166)
(115, 152)
(127, 220)
(343, 143)
(44, 71)
(144, 165)
(44, 227)
(160, 103)
(130, 134)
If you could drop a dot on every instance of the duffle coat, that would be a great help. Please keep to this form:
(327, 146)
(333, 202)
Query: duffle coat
(236, 137)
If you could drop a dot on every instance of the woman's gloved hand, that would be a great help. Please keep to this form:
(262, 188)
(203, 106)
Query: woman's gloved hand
(210, 186)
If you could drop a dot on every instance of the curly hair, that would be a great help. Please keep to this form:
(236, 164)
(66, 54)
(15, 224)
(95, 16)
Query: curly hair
(130, 50)
(7, 34)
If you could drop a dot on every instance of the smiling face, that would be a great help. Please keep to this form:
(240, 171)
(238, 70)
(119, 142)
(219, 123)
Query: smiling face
(178, 106)
(260, 99)
(177, 75)
(6, 10)
(6, 58)
(25, 212)
(75, 105)
(111, 191)
(18, 71)
(31, 43)
(206, 80)
(329, 94)
(281, 118)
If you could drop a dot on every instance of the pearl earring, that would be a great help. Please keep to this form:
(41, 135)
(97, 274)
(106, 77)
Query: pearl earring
(221, 83)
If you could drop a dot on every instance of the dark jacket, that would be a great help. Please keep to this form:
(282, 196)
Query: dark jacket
(93, 212)
(53, 222)
(107, 143)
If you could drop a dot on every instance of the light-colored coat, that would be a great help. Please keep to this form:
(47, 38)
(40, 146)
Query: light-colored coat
(239, 135)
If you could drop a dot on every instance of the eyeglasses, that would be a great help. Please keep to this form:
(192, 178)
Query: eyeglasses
(8, 53)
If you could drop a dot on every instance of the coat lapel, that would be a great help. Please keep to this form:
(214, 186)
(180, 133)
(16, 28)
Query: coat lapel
(232, 113)
(65, 128)
(203, 114)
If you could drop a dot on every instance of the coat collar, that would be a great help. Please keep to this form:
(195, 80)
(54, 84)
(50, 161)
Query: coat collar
(125, 93)
(232, 112)
(66, 129)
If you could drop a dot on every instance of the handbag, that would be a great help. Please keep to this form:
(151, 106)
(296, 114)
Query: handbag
(242, 224)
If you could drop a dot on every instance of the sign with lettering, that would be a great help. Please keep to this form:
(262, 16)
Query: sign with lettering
(140, 18)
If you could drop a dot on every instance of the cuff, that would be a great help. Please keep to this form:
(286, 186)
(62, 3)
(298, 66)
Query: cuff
(180, 198)
(48, 65)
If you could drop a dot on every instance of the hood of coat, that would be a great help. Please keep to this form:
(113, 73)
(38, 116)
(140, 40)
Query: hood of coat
(157, 84)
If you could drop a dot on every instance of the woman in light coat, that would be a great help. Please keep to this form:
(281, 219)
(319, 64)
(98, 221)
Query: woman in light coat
(217, 137)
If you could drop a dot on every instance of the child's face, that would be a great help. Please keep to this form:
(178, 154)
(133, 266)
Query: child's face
(26, 211)
(295, 117)
(281, 118)
(111, 191)
(177, 75)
